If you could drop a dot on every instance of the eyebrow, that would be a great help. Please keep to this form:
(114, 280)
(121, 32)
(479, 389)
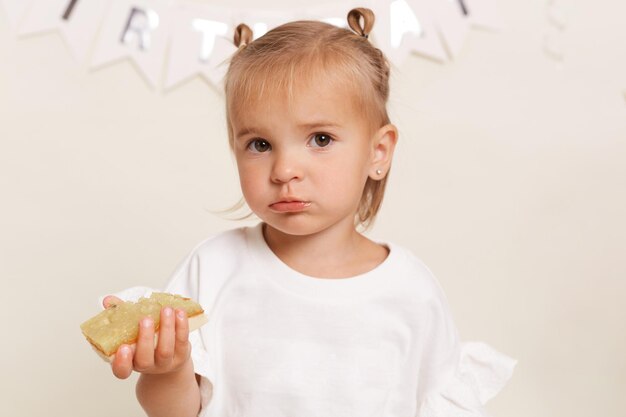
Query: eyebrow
(245, 131)
(307, 126)
(318, 124)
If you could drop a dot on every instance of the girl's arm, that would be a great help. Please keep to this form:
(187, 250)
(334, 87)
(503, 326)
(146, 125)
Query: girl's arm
(167, 385)
(172, 394)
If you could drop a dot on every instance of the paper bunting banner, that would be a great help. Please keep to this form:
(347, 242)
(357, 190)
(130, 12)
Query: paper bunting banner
(170, 41)
(199, 45)
(77, 25)
(260, 21)
(138, 30)
(451, 23)
(400, 31)
(481, 13)
(333, 13)
(553, 37)
(15, 10)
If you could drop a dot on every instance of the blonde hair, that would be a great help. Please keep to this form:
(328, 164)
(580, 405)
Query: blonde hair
(303, 51)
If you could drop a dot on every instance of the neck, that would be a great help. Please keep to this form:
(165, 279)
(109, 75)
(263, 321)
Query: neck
(330, 253)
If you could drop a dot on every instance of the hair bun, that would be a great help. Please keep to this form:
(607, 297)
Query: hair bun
(243, 35)
(354, 20)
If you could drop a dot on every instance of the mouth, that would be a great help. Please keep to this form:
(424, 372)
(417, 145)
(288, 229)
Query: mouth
(289, 206)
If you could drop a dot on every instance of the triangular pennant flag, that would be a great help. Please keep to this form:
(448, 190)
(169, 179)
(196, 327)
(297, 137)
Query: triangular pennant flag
(44, 16)
(76, 21)
(200, 44)
(137, 30)
(334, 13)
(218, 65)
(261, 21)
(451, 22)
(402, 27)
(483, 13)
(15, 9)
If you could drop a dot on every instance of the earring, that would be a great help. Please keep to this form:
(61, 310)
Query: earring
(378, 172)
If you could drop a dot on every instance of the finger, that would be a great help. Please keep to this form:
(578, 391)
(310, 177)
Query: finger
(110, 300)
(165, 347)
(144, 352)
(122, 364)
(181, 347)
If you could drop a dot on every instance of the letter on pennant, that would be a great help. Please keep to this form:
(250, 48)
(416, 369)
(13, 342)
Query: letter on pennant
(403, 21)
(209, 29)
(69, 9)
(140, 25)
(463, 7)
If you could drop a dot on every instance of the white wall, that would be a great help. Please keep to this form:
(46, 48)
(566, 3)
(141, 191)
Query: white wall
(509, 182)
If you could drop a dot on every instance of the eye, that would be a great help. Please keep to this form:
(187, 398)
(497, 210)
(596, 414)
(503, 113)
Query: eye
(320, 140)
(259, 146)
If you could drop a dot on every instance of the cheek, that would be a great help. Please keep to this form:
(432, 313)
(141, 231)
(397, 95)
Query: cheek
(249, 178)
(345, 176)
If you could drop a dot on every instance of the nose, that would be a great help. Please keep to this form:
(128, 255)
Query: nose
(286, 167)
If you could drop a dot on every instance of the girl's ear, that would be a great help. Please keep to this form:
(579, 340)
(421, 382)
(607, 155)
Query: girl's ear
(383, 145)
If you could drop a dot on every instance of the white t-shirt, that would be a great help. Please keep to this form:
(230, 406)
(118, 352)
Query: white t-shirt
(282, 344)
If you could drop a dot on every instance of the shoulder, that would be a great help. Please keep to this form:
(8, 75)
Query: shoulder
(226, 250)
(414, 273)
(211, 262)
(232, 240)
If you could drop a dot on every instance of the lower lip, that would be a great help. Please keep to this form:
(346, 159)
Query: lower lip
(290, 207)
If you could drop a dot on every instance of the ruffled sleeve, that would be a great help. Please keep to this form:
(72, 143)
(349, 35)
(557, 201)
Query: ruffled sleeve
(481, 372)
(456, 379)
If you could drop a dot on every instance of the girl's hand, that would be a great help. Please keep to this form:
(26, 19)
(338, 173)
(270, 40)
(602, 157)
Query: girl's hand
(171, 353)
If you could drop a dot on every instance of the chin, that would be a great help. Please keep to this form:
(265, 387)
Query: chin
(293, 224)
(299, 224)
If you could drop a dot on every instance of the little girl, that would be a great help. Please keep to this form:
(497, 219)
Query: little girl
(307, 316)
